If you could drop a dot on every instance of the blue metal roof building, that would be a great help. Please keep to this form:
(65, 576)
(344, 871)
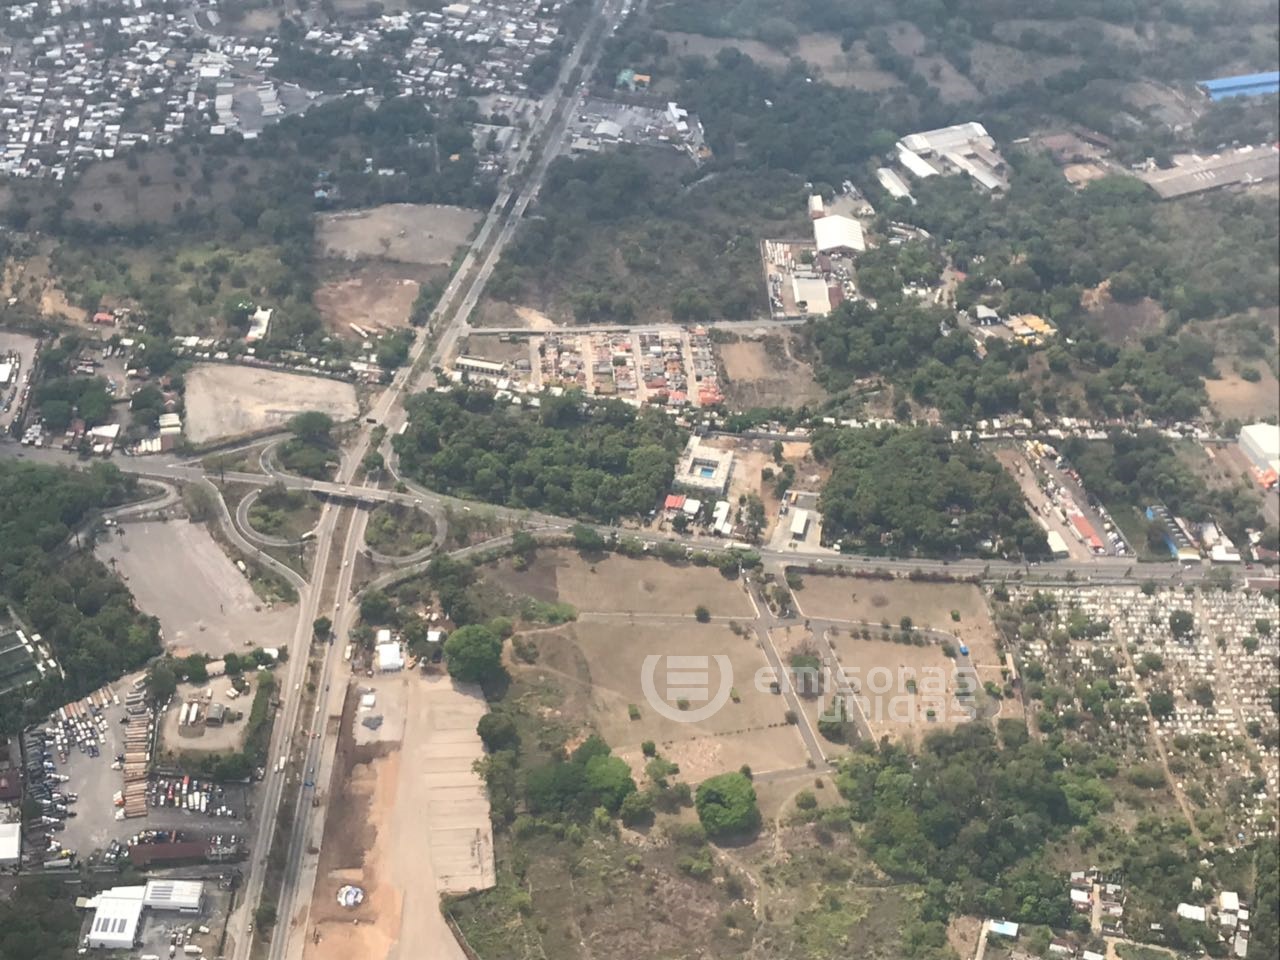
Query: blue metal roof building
(1245, 85)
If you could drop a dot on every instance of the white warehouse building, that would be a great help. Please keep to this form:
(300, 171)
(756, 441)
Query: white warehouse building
(838, 234)
(1261, 444)
(117, 917)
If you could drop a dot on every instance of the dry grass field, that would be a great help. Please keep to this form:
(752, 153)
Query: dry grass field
(158, 188)
(427, 234)
(854, 69)
(1232, 396)
(907, 691)
(598, 666)
(616, 584)
(224, 400)
(927, 604)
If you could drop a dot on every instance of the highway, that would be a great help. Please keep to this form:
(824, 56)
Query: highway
(387, 411)
(1097, 570)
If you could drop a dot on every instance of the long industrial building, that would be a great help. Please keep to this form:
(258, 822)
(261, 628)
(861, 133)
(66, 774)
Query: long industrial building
(1240, 167)
(1245, 85)
(948, 151)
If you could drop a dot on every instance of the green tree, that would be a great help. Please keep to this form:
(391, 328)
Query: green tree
(498, 731)
(473, 654)
(610, 782)
(1182, 624)
(726, 806)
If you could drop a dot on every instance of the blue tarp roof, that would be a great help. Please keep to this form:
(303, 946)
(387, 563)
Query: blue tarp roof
(1004, 928)
(1247, 84)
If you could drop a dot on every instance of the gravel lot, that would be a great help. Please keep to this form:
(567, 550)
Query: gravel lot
(177, 572)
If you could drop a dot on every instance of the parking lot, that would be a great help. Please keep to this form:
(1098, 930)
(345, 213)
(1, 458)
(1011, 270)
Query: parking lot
(19, 352)
(74, 770)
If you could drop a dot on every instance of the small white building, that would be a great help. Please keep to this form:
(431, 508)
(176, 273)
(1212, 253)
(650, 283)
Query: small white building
(390, 657)
(799, 524)
(10, 844)
(1188, 911)
(184, 896)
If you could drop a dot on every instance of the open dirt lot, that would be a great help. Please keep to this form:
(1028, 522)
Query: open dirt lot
(618, 585)
(766, 373)
(408, 820)
(31, 280)
(410, 233)
(200, 738)
(599, 666)
(1234, 397)
(375, 296)
(179, 574)
(224, 400)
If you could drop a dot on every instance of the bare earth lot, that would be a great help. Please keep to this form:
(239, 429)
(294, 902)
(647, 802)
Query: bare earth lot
(200, 738)
(900, 683)
(410, 233)
(598, 664)
(375, 296)
(205, 604)
(618, 585)
(224, 400)
(765, 373)
(408, 822)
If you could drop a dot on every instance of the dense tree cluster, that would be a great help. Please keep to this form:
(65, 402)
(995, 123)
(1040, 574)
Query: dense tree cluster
(600, 462)
(914, 492)
(84, 612)
(914, 346)
(63, 398)
(1047, 242)
(38, 922)
(967, 817)
(312, 450)
(726, 806)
